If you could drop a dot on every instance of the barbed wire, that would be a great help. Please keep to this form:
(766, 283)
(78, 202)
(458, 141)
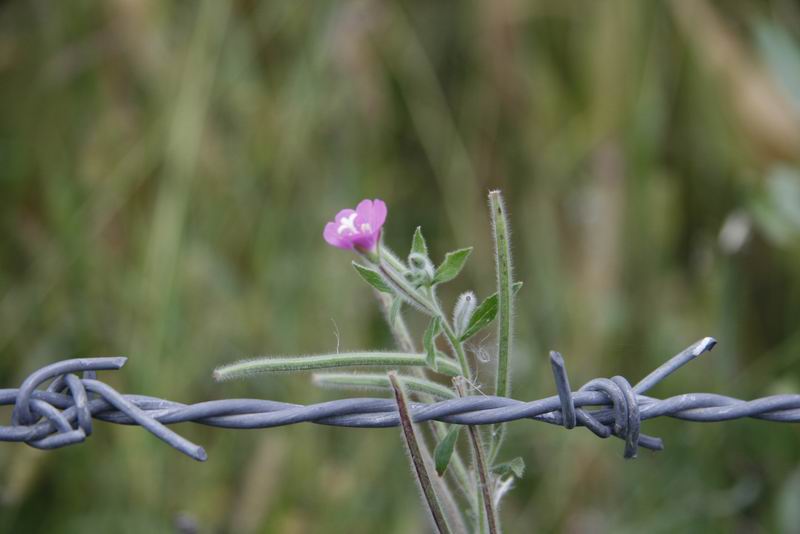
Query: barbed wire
(62, 414)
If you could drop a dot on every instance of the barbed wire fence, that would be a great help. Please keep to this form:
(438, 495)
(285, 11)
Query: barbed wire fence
(63, 412)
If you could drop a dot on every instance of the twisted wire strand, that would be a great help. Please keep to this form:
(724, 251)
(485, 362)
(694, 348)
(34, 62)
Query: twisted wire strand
(62, 414)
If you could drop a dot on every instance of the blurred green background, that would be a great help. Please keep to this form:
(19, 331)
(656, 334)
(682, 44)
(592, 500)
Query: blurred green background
(166, 170)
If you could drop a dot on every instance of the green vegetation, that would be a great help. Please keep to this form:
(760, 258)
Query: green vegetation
(166, 170)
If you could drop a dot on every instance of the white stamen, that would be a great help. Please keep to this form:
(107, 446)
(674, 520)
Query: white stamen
(348, 224)
(366, 228)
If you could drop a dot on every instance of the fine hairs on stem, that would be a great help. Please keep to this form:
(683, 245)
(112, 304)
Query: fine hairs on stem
(502, 253)
(279, 364)
(481, 467)
(413, 283)
(502, 244)
(380, 382)
(402, 336)
(421, 470)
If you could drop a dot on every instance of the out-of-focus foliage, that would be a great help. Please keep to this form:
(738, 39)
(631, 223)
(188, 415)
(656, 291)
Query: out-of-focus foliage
(166, 169)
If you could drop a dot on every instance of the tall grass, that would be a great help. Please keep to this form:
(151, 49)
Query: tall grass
(166, 169)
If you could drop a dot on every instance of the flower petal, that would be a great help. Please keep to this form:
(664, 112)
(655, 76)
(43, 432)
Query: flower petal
(359, 228)
(332, 236)
(364, 211)
(343, 214)
(379, 212)
(366, 241)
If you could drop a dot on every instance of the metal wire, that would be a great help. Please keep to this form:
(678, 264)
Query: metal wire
(62, 413)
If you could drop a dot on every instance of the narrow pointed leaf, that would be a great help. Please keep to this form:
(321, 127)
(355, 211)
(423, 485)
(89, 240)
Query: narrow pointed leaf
(452, 265)
(444, 449)
(515, 467)
(418, 244)
(481, 317)
(373, 278)
(485, 314)
(284, 364)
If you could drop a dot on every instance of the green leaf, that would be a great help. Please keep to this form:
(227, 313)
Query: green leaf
(444, 449)
(394, 311)
(481, 317)
(452, 265)
(418, 244)
(515, 467)
(429, 341)
(485, 314)
(373, 278)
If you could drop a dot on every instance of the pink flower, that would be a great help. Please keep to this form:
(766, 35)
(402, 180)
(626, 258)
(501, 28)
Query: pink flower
(359, 228)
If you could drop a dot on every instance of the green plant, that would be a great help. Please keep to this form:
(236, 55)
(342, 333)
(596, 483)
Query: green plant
(453, 493)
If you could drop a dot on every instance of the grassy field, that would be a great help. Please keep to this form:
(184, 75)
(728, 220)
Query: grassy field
(166, 170)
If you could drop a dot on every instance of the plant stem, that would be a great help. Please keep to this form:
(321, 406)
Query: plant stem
(455, 515)
(392, 259)
(430, 304)
(398, 327)
(381, 382)
(498, 434)
(450, 334)
(403, 339)
(417, 460)
(484, 513)
(323, 361)
(504, 296)
(393, 269)
(504, 308)
(457, 346)
(482, 470)
(479, 504)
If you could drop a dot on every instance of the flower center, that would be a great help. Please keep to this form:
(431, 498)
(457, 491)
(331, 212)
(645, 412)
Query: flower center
(347, 224)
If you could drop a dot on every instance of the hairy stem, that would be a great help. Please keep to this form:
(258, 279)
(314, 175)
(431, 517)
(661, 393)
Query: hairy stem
(393, 269)
(403, 339)
(480, 464)
(381, 382)
(324, 361)
(403, 287)
(482, 470)
(392, 259)
(504, 308)
(457, 346)
(504, 296)
(450, 334)
(398, 327)
(417, 460)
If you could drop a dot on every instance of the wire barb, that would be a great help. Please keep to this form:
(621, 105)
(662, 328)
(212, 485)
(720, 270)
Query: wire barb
(62, 413)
